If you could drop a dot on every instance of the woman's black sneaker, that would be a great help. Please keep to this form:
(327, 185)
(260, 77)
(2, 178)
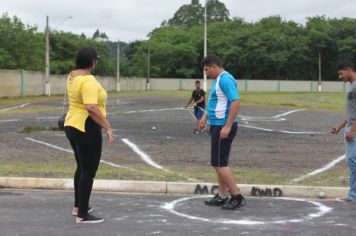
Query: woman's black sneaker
(216, 201)
(89, 219)
(234, 203)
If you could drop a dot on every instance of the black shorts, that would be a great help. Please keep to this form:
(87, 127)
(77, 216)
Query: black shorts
(220, 148)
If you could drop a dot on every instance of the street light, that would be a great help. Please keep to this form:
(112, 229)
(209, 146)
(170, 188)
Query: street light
(319, 81)
(48, 85)
(148, 66)
(118, 86)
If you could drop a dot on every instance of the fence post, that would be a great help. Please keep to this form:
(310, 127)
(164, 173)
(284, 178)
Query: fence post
(278, 86)
(180, 84)
(311, 86)
(246, 85)
(344, 87)
(22, 83)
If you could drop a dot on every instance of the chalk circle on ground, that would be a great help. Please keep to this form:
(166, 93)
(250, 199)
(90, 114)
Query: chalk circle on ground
(321, 210)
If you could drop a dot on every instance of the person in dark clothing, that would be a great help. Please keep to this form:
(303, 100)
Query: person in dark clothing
(198, 96)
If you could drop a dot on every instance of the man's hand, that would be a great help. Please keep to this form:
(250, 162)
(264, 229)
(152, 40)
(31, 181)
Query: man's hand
(335, 129)
(202, 123)
(224, 132)
(350, 136)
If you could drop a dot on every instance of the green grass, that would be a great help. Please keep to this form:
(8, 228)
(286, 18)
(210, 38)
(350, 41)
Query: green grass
(29, 99)
(332, 102)
(332, 178)
(335, 177)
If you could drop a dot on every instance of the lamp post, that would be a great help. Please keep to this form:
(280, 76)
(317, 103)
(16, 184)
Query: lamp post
(47, 85)
(118, 85)
(118, 67)
(205, 83)
(148, 66)
(47, 31)
(319, 81)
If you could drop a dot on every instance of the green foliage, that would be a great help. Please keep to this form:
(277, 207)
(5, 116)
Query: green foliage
(23, 47)
(272, 48)
(20, 45)
(193, 14)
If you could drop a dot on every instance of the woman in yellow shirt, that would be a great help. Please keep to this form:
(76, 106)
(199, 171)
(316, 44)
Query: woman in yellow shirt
(84, 120)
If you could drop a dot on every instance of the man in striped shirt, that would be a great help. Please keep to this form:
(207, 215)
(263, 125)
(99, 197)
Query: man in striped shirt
(223, 107)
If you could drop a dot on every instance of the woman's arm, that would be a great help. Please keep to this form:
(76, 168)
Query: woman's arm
(98, 117)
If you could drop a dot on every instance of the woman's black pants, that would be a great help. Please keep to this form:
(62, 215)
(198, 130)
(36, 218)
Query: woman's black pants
(87, 151)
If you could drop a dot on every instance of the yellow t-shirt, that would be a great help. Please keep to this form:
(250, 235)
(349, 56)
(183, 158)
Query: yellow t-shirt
(83, 89)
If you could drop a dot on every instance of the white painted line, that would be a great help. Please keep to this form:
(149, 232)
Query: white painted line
(250, 118)
(48, 118)
(269, 118)
(301, 132)
(282, 131)
(70, 151)
(150, 110)
(146, 158)
(318, 171)
(289, 112)
(113, 164)
(12, 108)
(107, 162)
(191, 113)
(13, 120)
(50, 145)
(252, 127)
(322, 210)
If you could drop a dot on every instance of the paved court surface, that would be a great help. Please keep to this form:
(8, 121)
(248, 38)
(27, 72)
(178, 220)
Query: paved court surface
(260, 146)
(42, 213)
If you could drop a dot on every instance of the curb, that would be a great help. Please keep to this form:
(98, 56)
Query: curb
(176, 187)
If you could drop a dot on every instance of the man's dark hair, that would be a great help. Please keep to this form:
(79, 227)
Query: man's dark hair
(197, 82)
(210, 60)
(85, 58)
(345, 64)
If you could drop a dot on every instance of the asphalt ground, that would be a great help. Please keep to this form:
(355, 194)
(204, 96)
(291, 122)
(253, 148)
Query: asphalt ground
(272, 155)
(42, 213)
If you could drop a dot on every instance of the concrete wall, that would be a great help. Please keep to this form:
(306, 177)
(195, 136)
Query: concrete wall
(15, 83)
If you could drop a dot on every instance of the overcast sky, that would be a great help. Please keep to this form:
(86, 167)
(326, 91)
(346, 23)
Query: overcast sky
(129, 20)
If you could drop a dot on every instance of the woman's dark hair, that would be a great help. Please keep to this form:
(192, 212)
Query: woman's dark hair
(85, 58)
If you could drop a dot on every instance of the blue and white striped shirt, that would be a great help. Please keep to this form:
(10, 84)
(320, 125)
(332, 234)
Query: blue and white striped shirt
(223, 91)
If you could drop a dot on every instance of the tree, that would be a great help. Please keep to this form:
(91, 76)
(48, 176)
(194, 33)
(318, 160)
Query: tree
(21, 47)
(188, 15)
(100, 36)
(216, 11)
(193, 14)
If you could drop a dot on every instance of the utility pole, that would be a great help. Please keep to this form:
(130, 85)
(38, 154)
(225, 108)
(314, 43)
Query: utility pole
(205, 83)
(118, 67)
(47, 84)
(148, 66)
(319, 82)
